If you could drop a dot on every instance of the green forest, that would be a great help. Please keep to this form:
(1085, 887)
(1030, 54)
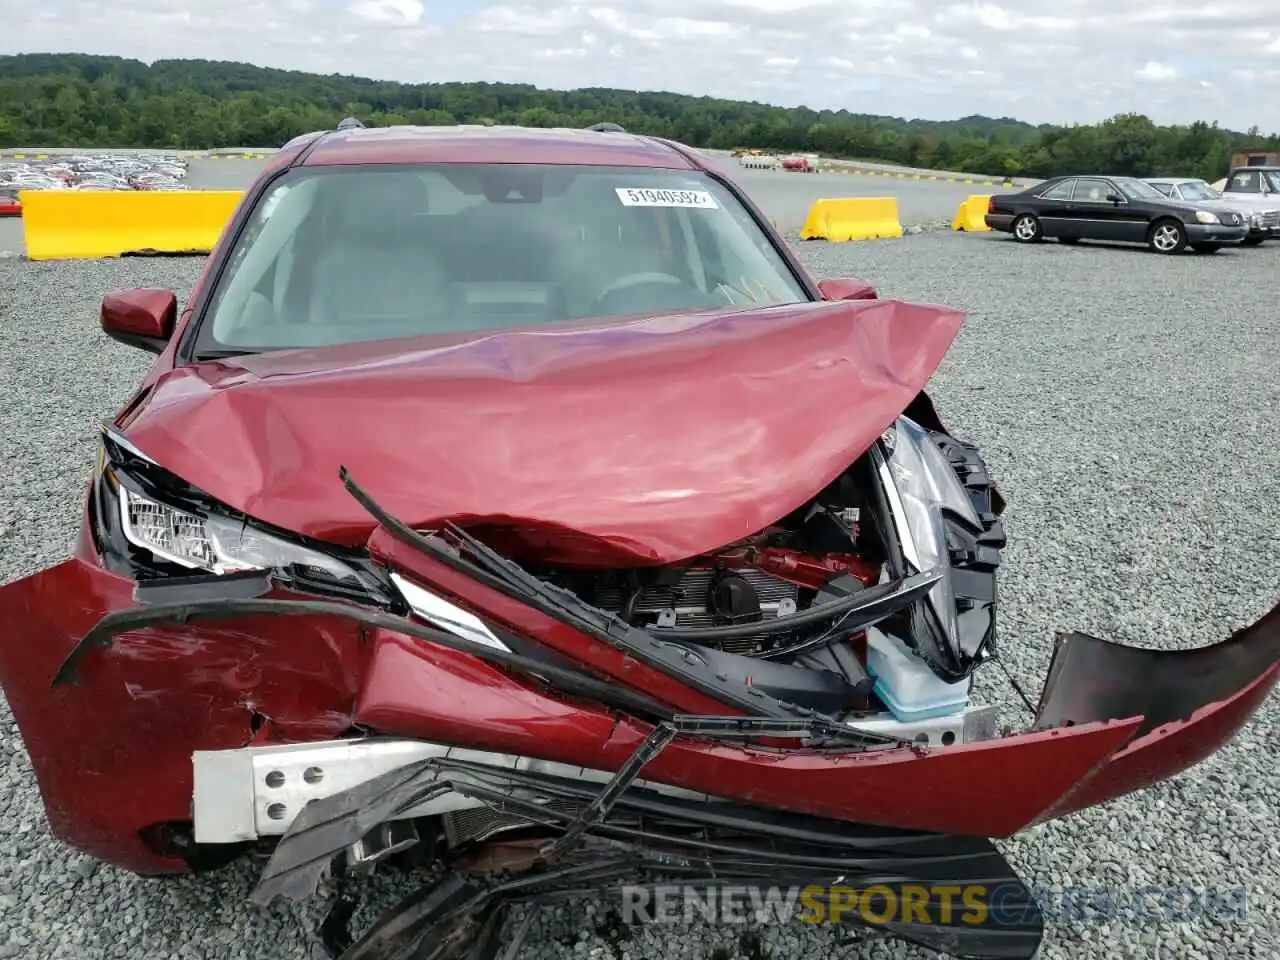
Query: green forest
(55, 100)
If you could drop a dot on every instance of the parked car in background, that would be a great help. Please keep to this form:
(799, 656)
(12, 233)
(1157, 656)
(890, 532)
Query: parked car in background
(799, 165)
(1260, 188)
(1203, 193)
(9, 205)
(1182, 188)
(1118, 209)
(95, 172)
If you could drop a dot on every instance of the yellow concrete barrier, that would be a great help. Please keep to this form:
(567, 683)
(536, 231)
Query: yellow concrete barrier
(971, 213)
(852, 218)
(83, 224)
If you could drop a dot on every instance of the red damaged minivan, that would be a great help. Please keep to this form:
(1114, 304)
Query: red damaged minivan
(513, 500)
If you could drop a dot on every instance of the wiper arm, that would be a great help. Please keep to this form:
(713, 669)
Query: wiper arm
(528, 587)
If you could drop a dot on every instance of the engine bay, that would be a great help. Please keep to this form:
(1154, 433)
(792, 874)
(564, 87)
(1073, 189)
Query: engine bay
(757, 608)
(852, 603)
(764, 579)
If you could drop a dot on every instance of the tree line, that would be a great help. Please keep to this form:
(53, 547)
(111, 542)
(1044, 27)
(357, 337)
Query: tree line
(78, 100)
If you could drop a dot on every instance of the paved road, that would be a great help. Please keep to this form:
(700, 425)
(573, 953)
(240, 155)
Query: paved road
(784, 197)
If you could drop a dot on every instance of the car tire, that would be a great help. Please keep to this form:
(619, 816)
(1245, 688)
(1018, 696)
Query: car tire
(1206, 247)
(1026, 229)
(1167, 236)
(1252, 241)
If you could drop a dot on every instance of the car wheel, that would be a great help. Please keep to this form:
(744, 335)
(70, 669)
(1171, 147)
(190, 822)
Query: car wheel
(1167, 236)
(1206, 247)
(1252, 241)
(1026, 229)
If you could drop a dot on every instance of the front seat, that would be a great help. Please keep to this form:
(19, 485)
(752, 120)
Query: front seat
(375, 267)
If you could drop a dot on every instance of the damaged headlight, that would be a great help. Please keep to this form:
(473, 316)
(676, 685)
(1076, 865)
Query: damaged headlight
(214, 543)
(926, 500)
(186, 529)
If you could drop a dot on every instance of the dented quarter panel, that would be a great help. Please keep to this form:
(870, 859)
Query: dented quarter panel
(113, 755)
(643, 440)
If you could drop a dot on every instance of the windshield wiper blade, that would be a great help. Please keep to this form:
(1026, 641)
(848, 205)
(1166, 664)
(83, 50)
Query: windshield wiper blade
(227, 354)
(552, 600)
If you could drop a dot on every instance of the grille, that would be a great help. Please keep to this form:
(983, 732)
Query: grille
(1271, 218)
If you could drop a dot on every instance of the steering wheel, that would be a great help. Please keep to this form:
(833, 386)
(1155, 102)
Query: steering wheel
(636, 279)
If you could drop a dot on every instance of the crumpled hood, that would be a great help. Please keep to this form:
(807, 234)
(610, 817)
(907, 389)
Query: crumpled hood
(649, 440)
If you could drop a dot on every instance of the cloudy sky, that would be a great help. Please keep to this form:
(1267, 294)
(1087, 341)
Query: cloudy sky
(1038, 60)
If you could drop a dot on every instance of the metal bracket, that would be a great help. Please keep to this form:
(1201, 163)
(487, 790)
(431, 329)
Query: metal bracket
(599, 808)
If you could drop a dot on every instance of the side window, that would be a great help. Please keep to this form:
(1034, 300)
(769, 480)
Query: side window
(1092, 191)
(1246, 181)
(1061, 192)
(1168, 189)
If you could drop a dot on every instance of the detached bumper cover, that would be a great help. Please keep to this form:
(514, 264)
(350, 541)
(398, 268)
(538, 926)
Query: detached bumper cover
(1191, 702)
(161, 691)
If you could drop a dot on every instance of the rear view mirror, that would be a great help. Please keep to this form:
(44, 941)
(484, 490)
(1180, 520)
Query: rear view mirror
(846, 288)
(141, 318)
(1115, 198)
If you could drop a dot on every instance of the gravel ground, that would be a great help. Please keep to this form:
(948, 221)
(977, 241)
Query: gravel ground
(1127, 404)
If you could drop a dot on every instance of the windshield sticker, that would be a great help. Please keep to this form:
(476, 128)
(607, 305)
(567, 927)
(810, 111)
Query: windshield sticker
(647, 197)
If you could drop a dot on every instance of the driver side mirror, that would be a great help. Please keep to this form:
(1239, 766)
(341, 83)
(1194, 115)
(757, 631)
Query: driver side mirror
(1115, 198)
(847, 288)
(142, 318)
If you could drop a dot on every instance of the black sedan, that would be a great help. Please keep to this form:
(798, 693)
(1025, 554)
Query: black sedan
(1122, 209)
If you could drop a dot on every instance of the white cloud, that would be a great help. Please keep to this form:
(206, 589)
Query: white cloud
(1040, 60)
(1156, 71)
(388, 11)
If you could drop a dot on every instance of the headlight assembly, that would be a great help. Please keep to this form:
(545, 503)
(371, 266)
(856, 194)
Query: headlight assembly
(213, 543)
(140, 510)
(1204, 216)
(931, 511)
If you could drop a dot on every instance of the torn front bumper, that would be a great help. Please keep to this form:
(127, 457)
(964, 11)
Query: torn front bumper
(165, 690)
(619, 836)
(1113, 719)
(1191, 702)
